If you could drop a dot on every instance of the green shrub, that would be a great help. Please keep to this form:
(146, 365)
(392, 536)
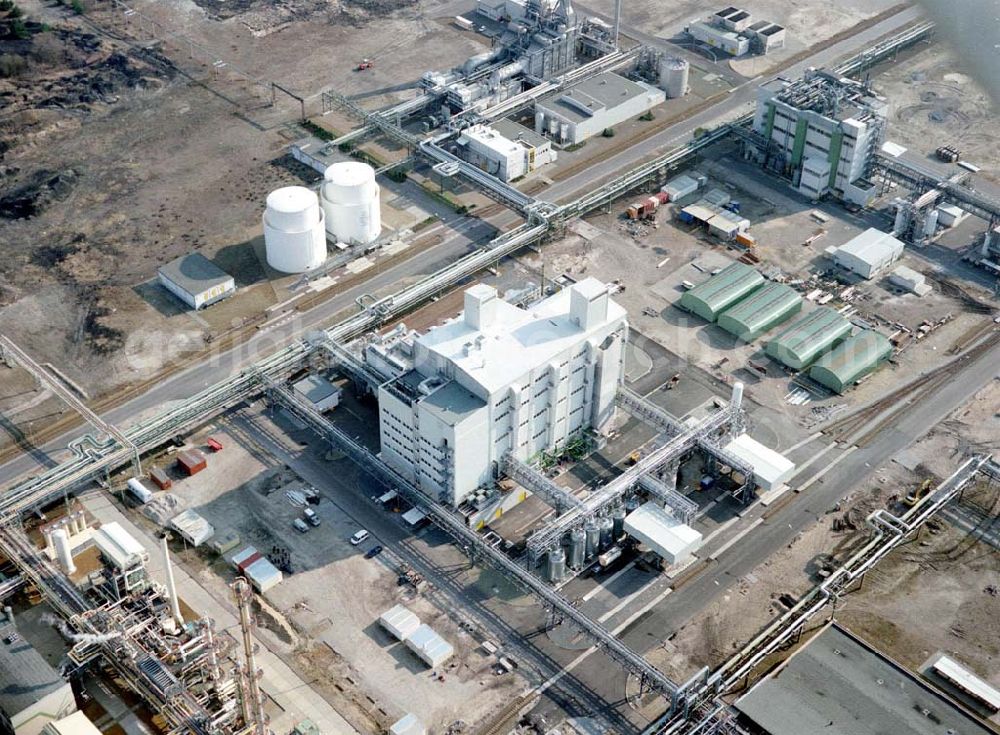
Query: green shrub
(19, 30)
(77, 7)
(647, 116)
(12, 65)
(608, 133)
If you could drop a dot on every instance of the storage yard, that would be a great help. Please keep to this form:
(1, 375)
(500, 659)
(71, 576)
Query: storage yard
(496, 368)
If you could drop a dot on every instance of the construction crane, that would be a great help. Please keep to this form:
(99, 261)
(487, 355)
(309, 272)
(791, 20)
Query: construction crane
(251, 698)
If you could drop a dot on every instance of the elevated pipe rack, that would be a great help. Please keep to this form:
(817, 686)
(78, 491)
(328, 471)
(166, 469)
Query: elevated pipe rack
(558, 497)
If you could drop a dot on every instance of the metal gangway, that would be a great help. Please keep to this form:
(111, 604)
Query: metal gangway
(556, 496)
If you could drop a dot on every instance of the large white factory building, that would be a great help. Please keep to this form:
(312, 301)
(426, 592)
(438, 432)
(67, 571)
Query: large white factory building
(500, 379)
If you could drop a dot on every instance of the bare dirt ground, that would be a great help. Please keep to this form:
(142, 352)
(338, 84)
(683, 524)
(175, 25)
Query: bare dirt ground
(117, 157)
(932, 102)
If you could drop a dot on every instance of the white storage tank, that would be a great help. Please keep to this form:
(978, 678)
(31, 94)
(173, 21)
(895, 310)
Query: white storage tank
(350, 199)
(674, 76)
(294, 230)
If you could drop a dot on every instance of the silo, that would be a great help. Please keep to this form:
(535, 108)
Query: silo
(577, 547)
(593, 538)
(606, 527)
(556, 566)
(618, 521)
(674, 76)
(294, 230)
(350, 199)
(930, 223)
(63, 551)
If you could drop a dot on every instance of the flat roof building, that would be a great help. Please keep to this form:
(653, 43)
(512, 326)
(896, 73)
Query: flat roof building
(839, 685)
(852, 360)
(319, 391)
(721, 291)
(770, 468)
(868, 254)
(32, 694)
(662, 532)
(500, 379)
(808, 337)
(764, 309)
(196, 280)
(595, 104)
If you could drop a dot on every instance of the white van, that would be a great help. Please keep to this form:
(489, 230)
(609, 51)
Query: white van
(359, 538)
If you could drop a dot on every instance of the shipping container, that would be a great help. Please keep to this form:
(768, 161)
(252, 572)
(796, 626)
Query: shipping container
(191, 461)
(214, 444)
(685, 217)
(746, 240)
(160, 478)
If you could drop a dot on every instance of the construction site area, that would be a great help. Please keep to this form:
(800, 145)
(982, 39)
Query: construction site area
(496, 367)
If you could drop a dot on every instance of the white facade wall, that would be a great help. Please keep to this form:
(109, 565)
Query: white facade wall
(50, 708)
(203, 298)
(527, 408)
(503, 158)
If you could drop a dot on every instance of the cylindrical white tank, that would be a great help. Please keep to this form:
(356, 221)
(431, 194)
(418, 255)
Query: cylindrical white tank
(63, 551)
(539, 122)
(294, 230)
(737, 399)
(900, 223)
(674, 76)
(350, 199)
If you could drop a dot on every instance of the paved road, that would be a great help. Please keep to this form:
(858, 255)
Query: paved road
(218, 367)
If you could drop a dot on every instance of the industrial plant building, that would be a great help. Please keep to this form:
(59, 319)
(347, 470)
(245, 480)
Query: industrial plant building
(734, 31)
(32, 693)
(506, 150)
(852, 360)
(196, 280)
(501, 379)
(839, 685)
(808, 337)
(823, 135)
(764, 309)
(868, 254)
(721, 291)
(594, 105)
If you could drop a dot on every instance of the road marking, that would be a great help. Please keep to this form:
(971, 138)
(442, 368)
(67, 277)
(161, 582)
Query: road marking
(719, 530)
(801, 468)
(607, 582)
(826, 469)
(802, 443)
(626, 600)
(725, 547)
(643, 610)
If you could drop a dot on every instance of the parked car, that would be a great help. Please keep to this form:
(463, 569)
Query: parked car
(311, 516)
(373, 552)
(359, 538)
(300, 525)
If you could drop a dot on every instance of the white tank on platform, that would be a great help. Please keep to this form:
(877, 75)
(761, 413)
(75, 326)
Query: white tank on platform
(350, 199)
(294, 230)
(674, 76)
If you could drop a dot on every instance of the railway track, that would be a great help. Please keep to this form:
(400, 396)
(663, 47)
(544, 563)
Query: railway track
(882, 412)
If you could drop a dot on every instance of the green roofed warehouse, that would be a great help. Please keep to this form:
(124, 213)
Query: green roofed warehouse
(840, 369)
(721, 291)
(764, 309)
(808, 337)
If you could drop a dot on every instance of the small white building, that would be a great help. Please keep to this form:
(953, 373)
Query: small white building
(496, 155)
(913, 281)
(76, 724)
(500, 379)
(192, 527)
(868, 254)
(662, 532)
(770, 468)
(595, 104)
(32, 694)
(196, 280)
(319, 391)
(400, 622)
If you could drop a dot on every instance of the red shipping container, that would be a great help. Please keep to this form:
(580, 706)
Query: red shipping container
(160, 478)
(214, 444)
(191, 461)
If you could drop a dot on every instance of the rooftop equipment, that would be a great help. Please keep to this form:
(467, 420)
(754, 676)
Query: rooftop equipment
(294, 230)
(350, 198)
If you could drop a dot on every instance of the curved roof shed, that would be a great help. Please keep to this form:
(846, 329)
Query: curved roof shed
(721, 291)
(767, 307)
(852, 360)
(808, 337)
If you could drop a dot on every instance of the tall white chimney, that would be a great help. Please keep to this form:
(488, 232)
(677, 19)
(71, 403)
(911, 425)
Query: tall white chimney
(175, 605)
(63, 551)
(736, 402)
